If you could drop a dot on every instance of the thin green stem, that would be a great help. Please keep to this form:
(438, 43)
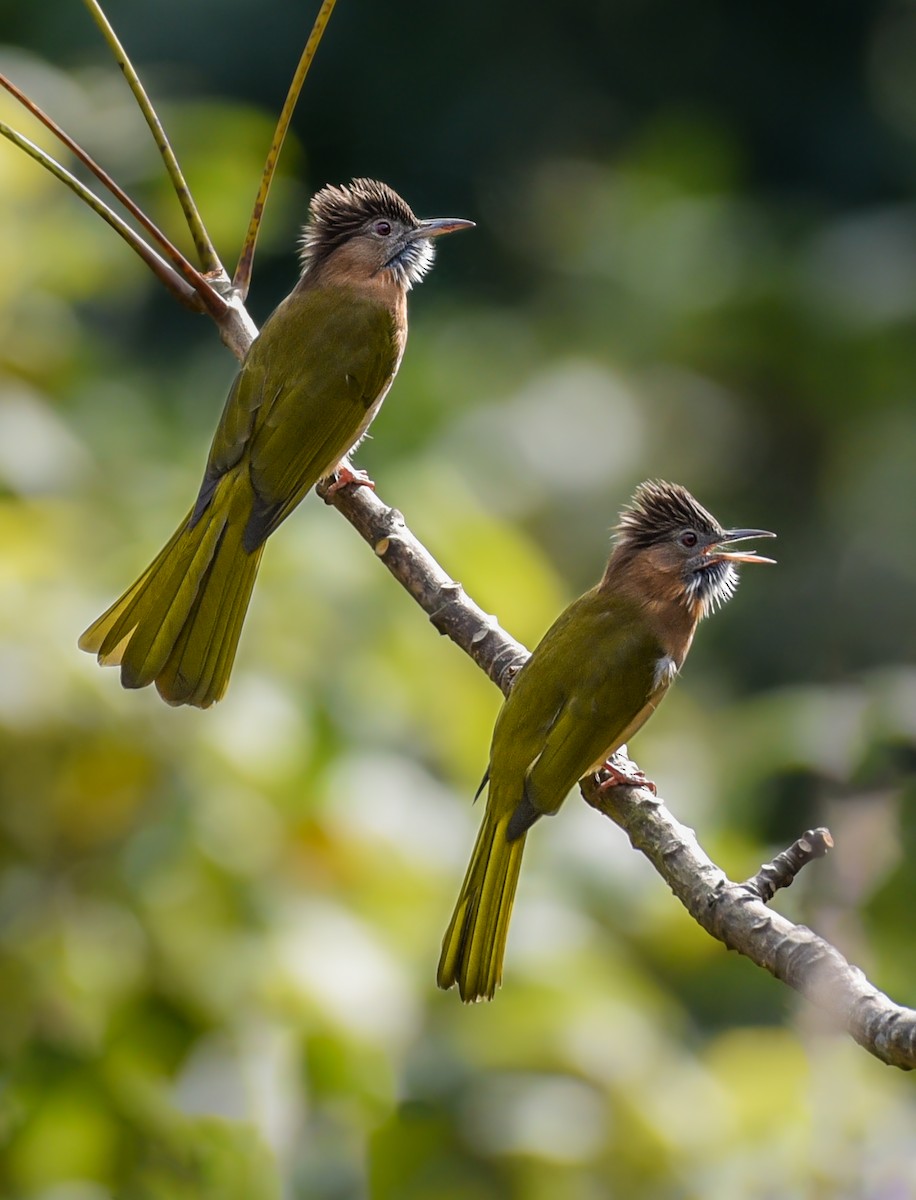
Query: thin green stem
(209, 260)
(187, 269)
(156, 263)
(242, 277)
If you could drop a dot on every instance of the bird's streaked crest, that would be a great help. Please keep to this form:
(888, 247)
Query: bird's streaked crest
(659, 510)
(339, 211)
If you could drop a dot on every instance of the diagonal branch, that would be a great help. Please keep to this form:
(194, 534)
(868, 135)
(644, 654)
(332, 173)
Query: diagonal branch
(210, 300)
(731, 912)
(156, 263)
(450, 610)
(742, 922)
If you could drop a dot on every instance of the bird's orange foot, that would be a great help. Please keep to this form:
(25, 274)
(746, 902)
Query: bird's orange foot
(624, 773)
(347, 475)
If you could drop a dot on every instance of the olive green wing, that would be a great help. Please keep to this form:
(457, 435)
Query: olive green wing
(240, 412)
(325, 379)
(303, 397)
(590, 684)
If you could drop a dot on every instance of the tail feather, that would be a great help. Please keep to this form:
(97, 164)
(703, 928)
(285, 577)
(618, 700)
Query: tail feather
(179, 624)
(167, 602)
(107, 636)
(174, 681)
(215, 677)
(503, 909)
(198, 668)
(475, 941)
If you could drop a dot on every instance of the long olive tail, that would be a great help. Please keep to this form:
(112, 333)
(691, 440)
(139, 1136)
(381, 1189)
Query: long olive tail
(178, 626)
(475, 941)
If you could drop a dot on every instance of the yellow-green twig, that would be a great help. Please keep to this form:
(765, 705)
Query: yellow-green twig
(209, 260)
(242, 277)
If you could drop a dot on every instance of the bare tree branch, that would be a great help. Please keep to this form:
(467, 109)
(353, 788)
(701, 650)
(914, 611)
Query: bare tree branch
(445, 602)
(742, 922)
(734, 913)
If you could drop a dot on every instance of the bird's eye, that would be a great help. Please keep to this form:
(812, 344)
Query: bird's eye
(383, 228)
(689, 539)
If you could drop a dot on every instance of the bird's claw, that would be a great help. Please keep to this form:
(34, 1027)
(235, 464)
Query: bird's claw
(624, 773)
(346, 475)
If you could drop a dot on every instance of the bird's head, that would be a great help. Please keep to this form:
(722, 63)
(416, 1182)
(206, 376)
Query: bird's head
(681, 548)
(366, 228)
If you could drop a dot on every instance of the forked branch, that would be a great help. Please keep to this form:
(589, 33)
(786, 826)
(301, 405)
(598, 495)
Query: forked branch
(739, 919)
(782, 871)
(209, 288)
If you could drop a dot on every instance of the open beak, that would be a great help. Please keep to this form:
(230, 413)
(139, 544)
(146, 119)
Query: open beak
(436, 226)
(717, 554)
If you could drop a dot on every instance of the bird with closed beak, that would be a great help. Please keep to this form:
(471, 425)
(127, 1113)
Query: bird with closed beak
(594, 679)
(307, 391)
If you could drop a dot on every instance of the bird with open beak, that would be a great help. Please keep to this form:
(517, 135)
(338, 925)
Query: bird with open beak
(591, 683)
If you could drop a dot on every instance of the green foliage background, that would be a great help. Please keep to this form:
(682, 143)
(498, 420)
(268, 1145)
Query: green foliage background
(218, 931)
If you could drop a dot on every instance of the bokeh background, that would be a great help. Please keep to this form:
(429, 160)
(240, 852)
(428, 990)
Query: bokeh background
(695, 259)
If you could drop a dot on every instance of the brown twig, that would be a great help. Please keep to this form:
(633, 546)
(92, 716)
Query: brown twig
(156, 263)
(207, 298)
(781, 872)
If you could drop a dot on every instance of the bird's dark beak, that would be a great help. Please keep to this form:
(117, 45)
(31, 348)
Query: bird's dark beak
(436, 226)
(731, 536)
